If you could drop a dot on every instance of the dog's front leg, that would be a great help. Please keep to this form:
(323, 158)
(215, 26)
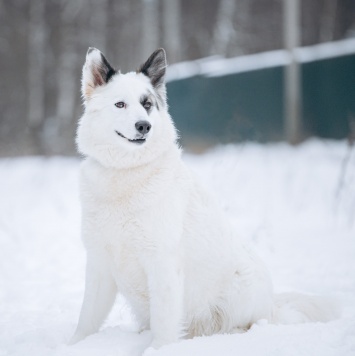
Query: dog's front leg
(100, 293)
(165, 280)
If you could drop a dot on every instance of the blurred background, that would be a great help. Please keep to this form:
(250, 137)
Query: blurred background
(260, 70)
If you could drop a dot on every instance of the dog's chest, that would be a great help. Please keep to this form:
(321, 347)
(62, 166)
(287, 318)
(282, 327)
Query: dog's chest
(129, 216)
(115, 221)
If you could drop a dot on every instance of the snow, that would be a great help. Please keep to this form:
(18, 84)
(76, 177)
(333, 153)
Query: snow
(295, 205)
(217, 66)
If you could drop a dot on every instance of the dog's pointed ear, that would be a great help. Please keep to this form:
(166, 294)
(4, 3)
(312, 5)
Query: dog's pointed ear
(97, 71)
(155, 68)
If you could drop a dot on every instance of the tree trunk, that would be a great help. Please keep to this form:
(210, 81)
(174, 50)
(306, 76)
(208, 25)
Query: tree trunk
(224, 31)
(98, 22)
(327, 23)
(150, 35)
(59, 133)
(36, 68)
(172, 30)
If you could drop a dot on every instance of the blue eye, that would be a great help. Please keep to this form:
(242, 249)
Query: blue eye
(120, 105)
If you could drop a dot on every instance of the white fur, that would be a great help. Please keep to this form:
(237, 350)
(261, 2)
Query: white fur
(154, 235)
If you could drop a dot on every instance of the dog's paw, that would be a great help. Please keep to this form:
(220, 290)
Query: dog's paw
(76, 338)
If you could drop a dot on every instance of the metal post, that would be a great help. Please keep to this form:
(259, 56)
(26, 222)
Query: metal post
(292, 74)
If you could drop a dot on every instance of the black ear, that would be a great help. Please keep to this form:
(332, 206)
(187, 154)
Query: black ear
(155, 67)
(97, 71)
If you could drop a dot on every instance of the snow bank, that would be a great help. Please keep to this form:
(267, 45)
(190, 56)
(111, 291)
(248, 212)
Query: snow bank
(295, 205)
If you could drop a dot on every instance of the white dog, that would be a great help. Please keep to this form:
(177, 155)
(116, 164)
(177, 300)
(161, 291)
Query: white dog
(151, 233)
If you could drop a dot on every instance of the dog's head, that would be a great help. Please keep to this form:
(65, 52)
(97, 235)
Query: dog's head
(126, 122)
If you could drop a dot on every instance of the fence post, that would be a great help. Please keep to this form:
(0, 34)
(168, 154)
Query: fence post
(292, 73)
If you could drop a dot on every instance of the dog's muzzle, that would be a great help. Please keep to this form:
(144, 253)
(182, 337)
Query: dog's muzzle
(138, 140)
(143, 127)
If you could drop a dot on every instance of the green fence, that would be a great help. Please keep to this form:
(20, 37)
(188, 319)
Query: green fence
(249, 105)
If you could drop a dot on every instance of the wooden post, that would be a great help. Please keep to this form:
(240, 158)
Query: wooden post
(292, 74)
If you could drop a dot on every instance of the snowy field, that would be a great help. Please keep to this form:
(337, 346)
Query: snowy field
(295, 205)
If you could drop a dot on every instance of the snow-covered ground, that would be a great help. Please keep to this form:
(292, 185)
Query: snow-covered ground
(295, 205)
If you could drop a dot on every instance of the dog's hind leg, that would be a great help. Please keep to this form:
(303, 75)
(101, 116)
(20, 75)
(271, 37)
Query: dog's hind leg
(100, 293)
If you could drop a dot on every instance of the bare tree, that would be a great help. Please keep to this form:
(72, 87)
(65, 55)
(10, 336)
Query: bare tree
(172, 31)
(66, 78)
(224, 30)
(36, 54)
(327, 25)
(98, 23)
(150, 35)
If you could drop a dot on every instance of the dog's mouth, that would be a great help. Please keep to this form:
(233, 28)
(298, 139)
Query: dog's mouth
(138, 141)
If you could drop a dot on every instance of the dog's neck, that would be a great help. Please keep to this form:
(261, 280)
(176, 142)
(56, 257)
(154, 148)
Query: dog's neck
(110, 183)
(164, 158)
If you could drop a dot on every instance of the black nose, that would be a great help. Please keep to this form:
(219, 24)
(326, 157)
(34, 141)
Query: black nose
(143, 127)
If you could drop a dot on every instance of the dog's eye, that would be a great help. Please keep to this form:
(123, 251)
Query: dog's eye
(120, 105)
(147, 105)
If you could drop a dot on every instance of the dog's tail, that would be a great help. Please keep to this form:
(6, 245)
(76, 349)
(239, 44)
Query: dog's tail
(291, 308)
